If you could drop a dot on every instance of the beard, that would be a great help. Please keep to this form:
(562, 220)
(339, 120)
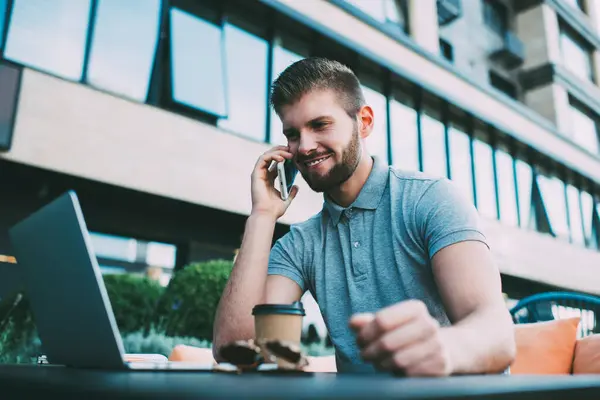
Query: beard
(341, 171)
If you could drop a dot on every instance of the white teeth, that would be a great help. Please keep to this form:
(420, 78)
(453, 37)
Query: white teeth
(313, 163)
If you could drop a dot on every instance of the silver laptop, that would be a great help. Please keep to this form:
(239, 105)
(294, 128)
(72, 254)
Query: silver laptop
(63, 282)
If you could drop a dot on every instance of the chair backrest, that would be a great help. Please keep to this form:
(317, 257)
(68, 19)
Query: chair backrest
(557, 305)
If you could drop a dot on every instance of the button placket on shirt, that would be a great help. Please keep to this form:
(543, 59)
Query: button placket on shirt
(358, 265)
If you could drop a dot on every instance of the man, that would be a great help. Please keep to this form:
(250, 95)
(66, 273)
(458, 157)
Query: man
(396, 261)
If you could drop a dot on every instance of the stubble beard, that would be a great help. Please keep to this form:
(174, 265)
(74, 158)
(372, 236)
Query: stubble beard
(341, 171)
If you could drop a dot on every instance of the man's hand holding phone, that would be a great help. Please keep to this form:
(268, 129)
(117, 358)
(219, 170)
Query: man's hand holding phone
(266, 199)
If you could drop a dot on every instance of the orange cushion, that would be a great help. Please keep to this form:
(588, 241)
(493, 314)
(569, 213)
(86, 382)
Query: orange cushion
(545, 347)
(587, 355)
(191, 354)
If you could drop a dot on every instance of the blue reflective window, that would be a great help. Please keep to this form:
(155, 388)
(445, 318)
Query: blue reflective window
(405, 145)
(506, 188)
(377, 141)
(460, 161)
(577, 234)
(587, 210)
(3, 4)
(197, 65)
(49, 35)
(246, 83)
(553, 195)
(123, 47)
(524, 185)
(282, 58)
(434, 146)
(484, 179)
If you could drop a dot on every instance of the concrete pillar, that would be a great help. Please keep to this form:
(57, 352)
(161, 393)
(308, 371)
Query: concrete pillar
(538, 28)
(552, 102)
(423, 24)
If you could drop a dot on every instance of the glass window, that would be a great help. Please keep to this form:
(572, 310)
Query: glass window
(484, 179)
(524, 185)
(125, 39)
(577, 235)
(506, 187)
(385, 11)
(405, 145)
(114, 247)
(3, 4)
(246, 83)
(460, 161)
(161, 255)
(197, 63)
(495, 16)
(583, 130)
(553, 195)
(282, 58)
(576, 57)
(49, 35)
(377, 140)
(587, 210)
(446, 50)
(434, 146)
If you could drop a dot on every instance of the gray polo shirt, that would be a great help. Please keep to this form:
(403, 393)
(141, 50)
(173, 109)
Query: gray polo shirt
(376, 252)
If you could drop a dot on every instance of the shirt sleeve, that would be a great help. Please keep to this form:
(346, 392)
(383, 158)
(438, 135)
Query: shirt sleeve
(286, 258)
(444, 217)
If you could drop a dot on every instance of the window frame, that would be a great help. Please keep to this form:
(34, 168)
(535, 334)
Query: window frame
(584, 45)
(219, 21)
(484, 133)
(10, 7)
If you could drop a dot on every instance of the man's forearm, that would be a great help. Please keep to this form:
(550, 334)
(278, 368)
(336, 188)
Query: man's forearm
(481, 343)
(246, 285)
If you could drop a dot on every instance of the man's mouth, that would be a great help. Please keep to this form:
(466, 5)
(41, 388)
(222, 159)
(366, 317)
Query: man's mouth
(316, 161)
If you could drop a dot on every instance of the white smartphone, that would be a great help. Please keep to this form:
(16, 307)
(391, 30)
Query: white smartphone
(286, 172)
(283, 189)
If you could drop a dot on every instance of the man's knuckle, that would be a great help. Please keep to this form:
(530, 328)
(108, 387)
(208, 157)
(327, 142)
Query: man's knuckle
(386, 344)
(420, 307)
(400, 361)
(381, 321)
(431, 325)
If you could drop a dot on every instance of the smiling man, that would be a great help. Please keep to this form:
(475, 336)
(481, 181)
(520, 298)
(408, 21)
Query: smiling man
(396, 260)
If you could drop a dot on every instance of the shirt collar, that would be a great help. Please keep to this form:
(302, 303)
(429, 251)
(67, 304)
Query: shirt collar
(369, 196)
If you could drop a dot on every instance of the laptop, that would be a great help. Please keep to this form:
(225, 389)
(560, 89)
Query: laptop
(65, 288)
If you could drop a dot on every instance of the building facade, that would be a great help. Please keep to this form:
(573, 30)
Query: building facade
(154, 112)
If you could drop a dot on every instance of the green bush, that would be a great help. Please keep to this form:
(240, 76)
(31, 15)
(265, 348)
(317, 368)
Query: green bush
(19, 342)
(189, 304)
(154, 342)
(133, 299)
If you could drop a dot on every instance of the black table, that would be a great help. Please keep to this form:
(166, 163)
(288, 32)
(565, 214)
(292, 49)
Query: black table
(31, 381)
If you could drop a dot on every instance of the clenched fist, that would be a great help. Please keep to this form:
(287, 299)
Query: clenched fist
(403, 337)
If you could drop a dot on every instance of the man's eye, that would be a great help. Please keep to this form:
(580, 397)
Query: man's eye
(320, 125)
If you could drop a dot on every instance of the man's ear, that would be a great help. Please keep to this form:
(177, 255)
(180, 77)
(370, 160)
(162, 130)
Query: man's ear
(366, 120)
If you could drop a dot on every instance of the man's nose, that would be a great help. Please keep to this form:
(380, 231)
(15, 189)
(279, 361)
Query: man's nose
(307, 143)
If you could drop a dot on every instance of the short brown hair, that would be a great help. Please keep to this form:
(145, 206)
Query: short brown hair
(317, 73)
